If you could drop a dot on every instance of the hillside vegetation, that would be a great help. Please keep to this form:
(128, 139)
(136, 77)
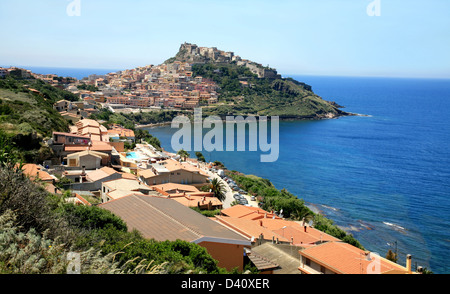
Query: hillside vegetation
(27, 115)
(38, 230)
(243, 93)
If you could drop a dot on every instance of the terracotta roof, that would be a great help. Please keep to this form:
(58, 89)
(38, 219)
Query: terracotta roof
(344, 258)
(96, 146)
(148, 173)
(89, 152)
(89, 130)
(250, 228)
(34, 171)
(195, 199)
(248, 212)
(100, 146)
(276, 224)
(300, 237)
(126, 184)
(122, 132)
(87, 122)
(168, 187)
(173, 165)
(99, 174)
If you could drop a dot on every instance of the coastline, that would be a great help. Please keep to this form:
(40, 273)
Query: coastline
(229, 192)
(152, 125)
(282, 118)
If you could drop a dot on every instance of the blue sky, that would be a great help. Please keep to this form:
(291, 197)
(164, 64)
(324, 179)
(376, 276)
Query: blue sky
(310, 37)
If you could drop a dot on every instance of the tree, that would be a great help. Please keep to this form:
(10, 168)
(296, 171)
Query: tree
(218, 188)
(307, 217)
(391, 256)
(140, 134)
(183, 154)
(200, 156)
(9, 157)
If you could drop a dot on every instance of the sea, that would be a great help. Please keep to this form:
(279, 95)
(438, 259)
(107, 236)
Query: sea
(78, 73)
(383, 176)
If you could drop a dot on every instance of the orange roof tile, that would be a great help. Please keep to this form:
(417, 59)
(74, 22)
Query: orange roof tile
(300, 237)
(33, 171)
(249, 228)
(100, 174)
(167, 187)
(247, 212)
(147, 173)
(195, 200)
(344, 258)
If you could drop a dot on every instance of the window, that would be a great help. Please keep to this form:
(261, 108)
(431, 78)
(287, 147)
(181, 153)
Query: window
(307, 262)
(322, 269)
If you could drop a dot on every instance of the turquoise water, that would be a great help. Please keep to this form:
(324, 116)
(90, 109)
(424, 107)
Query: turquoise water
(384, 177)
(133, 155)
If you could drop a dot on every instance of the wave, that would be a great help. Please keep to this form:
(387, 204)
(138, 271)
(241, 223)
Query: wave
(394, 226)
(329, 207)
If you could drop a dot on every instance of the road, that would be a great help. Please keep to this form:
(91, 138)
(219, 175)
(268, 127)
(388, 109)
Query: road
(229, 192)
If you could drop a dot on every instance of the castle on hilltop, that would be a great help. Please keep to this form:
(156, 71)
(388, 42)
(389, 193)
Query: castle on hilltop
(194, 54)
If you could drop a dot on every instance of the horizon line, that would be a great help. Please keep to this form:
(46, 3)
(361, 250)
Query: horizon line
(286, 75)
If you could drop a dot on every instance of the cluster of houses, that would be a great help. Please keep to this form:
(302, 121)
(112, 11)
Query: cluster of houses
(153, 191)
(161, 86)
(167, 85)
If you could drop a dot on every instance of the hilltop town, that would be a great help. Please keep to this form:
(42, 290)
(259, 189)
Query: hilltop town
(221, 82)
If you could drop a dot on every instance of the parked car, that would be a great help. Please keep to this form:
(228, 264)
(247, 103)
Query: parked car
(253, 198)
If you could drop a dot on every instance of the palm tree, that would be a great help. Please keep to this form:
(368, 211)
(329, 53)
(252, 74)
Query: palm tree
(307, 217)
(218, 188)
(183, 154)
